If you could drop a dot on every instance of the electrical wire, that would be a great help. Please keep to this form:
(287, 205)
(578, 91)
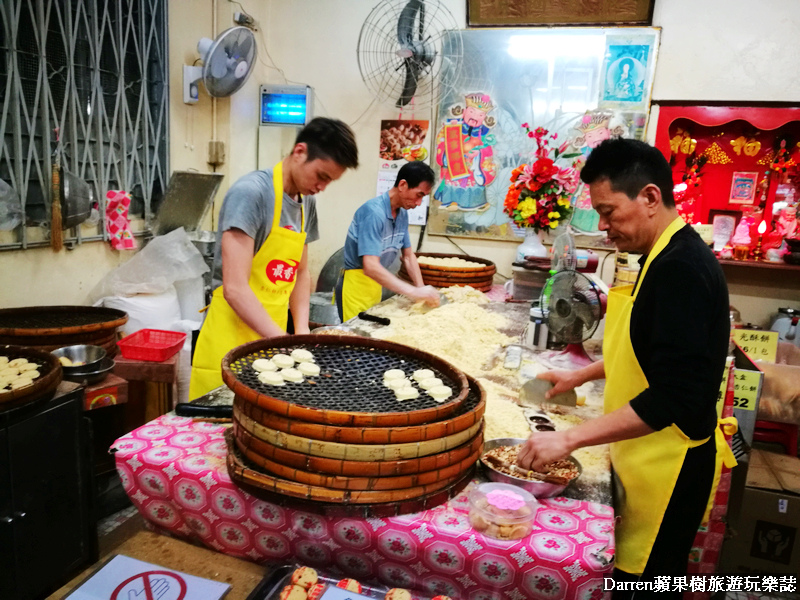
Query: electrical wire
(274, 66)
(457, 246)
(353, 124)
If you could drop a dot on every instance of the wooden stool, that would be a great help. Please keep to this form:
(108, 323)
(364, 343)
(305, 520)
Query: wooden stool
(784, 434)
(153, 388)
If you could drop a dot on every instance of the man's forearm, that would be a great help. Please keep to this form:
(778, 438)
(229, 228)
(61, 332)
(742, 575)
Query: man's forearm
(381, 275)
(299, 301)
(622, 424)
(412, 268)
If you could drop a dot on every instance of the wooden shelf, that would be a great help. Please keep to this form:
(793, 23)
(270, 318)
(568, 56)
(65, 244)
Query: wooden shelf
(782, 266)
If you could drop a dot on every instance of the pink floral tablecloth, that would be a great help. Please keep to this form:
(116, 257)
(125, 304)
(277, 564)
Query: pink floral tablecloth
(174, 471)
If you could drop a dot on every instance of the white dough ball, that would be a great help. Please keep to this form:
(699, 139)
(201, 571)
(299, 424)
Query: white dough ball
(396, 384)
(302, 355)
(270, 377)
(32, 374)
(430, 383)
(440, 393)
(283, 361)
(3, 361)
(292, 375)
(406, 393)
(394, 374)
(264, 364)
(421, 374)
(309, 369)
(9, 372)
(17, 362)
(27, 367)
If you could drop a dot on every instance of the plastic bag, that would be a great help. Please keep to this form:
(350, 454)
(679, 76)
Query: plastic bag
(154, 269)
(10, 207)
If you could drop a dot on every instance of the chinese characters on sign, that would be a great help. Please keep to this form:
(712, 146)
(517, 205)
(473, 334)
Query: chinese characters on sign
(758, 345)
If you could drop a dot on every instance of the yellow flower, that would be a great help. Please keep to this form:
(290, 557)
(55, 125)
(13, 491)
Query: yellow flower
(527, 208)
(564, 201)
(553, 224)
(553, 215)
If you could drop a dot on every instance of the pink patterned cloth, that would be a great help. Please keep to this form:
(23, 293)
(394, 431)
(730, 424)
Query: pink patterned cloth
(119, 227)
(174, 471)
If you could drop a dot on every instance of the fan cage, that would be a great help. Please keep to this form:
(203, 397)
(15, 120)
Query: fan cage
(583, 292)
(383, 71)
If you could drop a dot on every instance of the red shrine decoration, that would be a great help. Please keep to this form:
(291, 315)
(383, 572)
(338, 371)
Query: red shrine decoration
(731, 158)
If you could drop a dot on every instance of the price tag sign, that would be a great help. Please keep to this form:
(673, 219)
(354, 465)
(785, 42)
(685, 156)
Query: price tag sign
(758, 345)
(723, 388)
(746, 389)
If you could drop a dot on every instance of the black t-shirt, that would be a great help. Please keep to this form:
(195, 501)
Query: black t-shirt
(680, 328)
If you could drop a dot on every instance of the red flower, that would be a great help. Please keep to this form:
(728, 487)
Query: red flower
(544, 169)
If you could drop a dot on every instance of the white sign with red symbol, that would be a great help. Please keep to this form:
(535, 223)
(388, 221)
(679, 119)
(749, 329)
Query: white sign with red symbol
(280, 270)
(125, 578)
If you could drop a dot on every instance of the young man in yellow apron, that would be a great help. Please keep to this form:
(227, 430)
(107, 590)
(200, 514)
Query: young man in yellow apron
(377, 234)
(664, 350)
(261, 262)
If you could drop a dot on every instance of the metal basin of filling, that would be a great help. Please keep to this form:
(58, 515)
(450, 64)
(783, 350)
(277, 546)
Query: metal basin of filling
(539, 489)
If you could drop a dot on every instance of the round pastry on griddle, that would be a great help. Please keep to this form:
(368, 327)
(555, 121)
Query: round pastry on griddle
(283, 361)
(397, 594)
(292, 375)
(394, 374)
(396, 384)
(422, 374)
(430, 383)
(406, 393)
(264, 364)
(440, 393)
(270, 377)
(309, 369)
(302, 355)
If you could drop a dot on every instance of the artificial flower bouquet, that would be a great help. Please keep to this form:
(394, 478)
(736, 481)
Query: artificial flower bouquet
(540, 193)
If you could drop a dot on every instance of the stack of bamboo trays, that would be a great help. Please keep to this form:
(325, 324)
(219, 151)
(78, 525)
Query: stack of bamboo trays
(440, 276)
(341, 442)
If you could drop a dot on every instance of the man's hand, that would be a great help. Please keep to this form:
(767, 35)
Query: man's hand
(427, 294)
(562, 380)
(301, 330)
(543, 448)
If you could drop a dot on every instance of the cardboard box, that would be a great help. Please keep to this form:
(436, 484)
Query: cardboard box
(766, 532)
(109, 392)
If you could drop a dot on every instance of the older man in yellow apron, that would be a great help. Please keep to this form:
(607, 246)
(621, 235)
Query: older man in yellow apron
(376, 236)
(664, 350)
(267, 219)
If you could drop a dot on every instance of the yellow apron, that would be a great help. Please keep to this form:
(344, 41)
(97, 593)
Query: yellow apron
(647, 466)
(272, 278)
(359, 292)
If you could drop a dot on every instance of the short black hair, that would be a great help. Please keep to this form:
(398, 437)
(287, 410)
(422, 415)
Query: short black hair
(629, 165)
(330, 139)
(415, 173)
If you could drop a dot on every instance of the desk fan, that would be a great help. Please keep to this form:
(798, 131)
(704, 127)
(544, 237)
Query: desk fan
(572, 304)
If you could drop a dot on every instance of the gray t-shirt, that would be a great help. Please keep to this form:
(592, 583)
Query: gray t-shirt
(249, 206)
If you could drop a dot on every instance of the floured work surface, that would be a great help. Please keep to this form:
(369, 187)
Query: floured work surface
(471, 333)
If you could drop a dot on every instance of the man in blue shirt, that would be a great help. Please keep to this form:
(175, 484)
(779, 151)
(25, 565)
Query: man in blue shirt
(377, 234)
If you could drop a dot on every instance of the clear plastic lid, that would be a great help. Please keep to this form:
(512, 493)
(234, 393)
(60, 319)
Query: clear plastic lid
(508, 502)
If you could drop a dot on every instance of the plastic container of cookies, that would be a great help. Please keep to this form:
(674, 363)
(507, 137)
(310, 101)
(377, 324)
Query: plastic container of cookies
(502, 511)
(296, 582)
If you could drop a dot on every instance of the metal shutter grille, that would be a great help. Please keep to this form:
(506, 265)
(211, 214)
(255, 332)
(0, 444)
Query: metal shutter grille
(97, 70)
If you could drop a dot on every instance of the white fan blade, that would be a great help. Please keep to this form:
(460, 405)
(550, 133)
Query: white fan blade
(219, 64)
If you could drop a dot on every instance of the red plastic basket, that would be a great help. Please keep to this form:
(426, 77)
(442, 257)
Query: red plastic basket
(151, 344)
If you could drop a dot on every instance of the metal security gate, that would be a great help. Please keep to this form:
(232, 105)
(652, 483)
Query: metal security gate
(97, 72)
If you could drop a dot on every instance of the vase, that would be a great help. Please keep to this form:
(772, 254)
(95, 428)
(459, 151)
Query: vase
(532, 246)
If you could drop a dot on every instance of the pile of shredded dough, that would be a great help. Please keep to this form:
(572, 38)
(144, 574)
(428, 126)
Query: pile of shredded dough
(462, 333)
(449, 262)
